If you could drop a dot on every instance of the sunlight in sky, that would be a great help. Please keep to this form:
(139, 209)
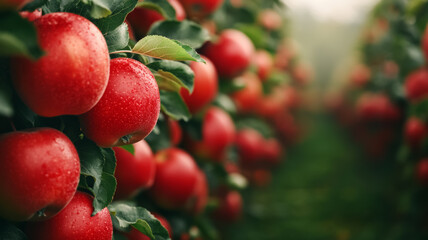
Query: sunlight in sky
(339, 10)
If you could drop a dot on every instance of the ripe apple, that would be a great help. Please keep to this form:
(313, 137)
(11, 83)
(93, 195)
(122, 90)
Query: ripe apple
(270, 19)
(272, 152)
(200, 198)
(360, 75)
(198, 9)
(218, 133)
(247, 98)
(376, 107)
(415, 131)
(134, 234)
(134, 172)
(73, 74)
(269, 105)
(231, 54)
(230, 207)
(205, 86)
(141, 19)
(175, 132)
(129, 108)
(422, 171)
(75, 222)
(264, 64)
(176, 178)
(416, 85)
(39, 174)
(250, 147)
(31, 16)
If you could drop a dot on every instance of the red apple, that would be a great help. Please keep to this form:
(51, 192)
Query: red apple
(129, 108)
(218, 133)
(134, 172)
(270, 19)
(73, 74)
(301, 74)
(176, 178)
(141, 19)
(230, 207)
(264, 64)
(415, 131)
(360, 75)
(422, 171)
(272, 152)
(39, 174)
(205, 86)
(75, 222)
(250, 144)
(198, 9)
(134, 234)
(200, 198)
(31, 16)
(231, 54)
(175, 132)
(416, 85)
(247, 98)
(376, 107)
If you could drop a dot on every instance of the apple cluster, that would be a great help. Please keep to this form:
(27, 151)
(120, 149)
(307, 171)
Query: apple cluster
(383, 100)
(142, 120)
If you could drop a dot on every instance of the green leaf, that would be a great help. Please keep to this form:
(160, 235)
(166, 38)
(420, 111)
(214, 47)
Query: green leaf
(117, 39)
(160, 139)
(161, 6)
(18, 36)
(9, 231)
(187, 32)
(97, 173)
(164, 48)
(6, 105)
(172, 76)
(173, 105)
(100, 9)
(125, 215)
(33, 5)
(119, 10)
(129, 148)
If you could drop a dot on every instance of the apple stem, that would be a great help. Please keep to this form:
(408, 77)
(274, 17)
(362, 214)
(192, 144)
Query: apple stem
(122, 51)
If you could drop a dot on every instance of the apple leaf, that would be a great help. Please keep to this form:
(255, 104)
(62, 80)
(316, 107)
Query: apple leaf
(165, 48)
(33, 5)
(187, 32)
(129, 148)
(173, 105)
(172, 76)
(97, 166)
(160, 139)
(117, 39)
(161, 6)
(18, 36)
(106, 14)
(6, 105)
(9, 231)
(126, 215)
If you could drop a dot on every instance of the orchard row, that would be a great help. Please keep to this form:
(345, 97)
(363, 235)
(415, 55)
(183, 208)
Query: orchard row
(141, 120)
(384, 104)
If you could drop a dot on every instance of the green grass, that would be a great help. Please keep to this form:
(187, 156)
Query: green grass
(324, 190)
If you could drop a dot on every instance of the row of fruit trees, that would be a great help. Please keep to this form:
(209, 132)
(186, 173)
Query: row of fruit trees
(132, 119)
(384, 105)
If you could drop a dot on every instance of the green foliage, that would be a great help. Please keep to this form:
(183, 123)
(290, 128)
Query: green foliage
(159, 138)
(164, 48)
(173, 105)
(161, 6)
(172, 76)
(18, 36)
(9, 231)
(118, 38)
(97, 173)
(187, 32)
(125, 215)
